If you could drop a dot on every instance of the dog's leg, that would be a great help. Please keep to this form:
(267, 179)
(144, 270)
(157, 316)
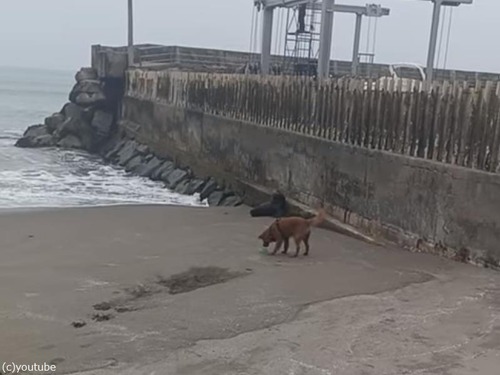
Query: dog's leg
(297, 244)
(287, 242)
(306, 242)
(277, 247)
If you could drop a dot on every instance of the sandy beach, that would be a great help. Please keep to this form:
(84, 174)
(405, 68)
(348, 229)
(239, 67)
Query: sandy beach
(350, 308)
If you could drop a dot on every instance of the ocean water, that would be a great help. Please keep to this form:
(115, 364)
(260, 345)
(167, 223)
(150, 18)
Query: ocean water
(34, 178)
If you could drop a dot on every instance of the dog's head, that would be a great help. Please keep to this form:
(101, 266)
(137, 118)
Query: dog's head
(267, 237)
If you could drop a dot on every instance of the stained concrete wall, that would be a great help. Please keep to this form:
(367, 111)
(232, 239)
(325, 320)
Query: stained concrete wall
(109, 62)
(421, 204)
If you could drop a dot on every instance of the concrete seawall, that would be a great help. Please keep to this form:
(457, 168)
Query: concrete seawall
(424, 205)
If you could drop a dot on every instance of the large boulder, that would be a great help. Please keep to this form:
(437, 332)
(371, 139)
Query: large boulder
(161, 173)
(210, 187)
(54, 121)
(86, 100)
(35, 131)
(231, 200)
(46, 140)
(102, 124)
(127, 152)
(89, 86)
(195, 186)
(189, 187)
(71, 110)
(182, 187)
(80, 129)
(41, 141)
(88, 93)
(134, 163)
(86, 74)
(215, 198)
(147, 170)
(77, 123)
(75, 126)
(143, 150)
(88, 113)
(175, 177)
(36, 136)
(112, 153)
(71, 142)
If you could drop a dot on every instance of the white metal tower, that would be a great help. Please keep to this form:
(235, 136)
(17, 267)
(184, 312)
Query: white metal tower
(431, 56)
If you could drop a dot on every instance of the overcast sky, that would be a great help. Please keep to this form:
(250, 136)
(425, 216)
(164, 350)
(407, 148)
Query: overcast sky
(58, 33)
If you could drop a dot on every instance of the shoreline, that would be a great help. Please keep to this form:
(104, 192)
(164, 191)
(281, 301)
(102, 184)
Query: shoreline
(27, 210)
(17, 210)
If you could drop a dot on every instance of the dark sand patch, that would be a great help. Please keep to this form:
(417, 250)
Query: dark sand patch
(196, 278)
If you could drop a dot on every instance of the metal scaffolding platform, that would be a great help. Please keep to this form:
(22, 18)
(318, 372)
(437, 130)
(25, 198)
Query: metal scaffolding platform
(302, 39)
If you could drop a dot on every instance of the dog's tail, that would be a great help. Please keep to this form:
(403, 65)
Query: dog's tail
(318, 219)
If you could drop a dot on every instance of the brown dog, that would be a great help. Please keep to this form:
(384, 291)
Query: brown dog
(297, 228)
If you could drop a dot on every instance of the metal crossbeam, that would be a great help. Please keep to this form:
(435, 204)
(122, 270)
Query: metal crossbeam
(328, 8)
(354, 9)
(281, 3)
(317, 5)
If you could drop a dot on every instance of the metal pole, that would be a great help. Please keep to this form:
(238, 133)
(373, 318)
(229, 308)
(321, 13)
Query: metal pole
(130, 49)
(431, 56)
(325, 43)
(355, 49)
(267, 35)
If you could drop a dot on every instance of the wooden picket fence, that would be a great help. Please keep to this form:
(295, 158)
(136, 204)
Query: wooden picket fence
(446, 122)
